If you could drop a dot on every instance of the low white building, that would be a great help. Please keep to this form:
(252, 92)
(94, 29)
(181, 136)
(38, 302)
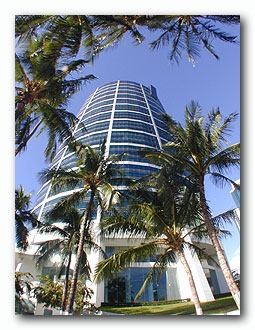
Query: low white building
(122, 289)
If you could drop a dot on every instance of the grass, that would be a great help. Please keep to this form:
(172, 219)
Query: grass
(220, 305)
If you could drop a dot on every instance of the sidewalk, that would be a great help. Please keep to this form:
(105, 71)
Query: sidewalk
(236, 312)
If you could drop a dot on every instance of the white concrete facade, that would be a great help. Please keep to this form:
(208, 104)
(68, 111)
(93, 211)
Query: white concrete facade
(235, 193)
(177, 286)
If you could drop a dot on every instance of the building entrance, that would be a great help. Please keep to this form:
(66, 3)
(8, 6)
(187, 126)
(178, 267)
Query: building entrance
(125, 286)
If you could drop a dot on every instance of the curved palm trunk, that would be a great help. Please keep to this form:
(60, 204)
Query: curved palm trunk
(185, 264)
(220, 254)
(79, 253)
(64, 295)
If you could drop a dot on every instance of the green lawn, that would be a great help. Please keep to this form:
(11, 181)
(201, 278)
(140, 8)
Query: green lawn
(220, 305)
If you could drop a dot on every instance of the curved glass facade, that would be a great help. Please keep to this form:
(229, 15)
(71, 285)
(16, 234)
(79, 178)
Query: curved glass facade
(129, 116)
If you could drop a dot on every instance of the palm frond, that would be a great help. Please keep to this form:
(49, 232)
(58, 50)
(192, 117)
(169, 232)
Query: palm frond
(24, 218)
(200, 252)
(187, 33)
(47, 250)
(114, 264)
(50, 228)
(217, 131)
(221, 180)
(108, 195)
(226, 217)
(225, 159)
(73, 200)
(21, 234)
(160, 264)
(120, 223)
(61, 178)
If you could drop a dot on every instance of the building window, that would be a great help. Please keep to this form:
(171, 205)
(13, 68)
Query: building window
(132, 115)
(131, 101)
(47, 312)
(133, 107)
(124, 287)
(212, 280)
(134, 137)
(139, 126)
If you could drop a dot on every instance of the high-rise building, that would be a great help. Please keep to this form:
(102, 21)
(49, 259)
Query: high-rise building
(128, 116)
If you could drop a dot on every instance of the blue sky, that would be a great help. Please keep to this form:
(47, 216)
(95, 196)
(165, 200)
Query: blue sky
(212, 83)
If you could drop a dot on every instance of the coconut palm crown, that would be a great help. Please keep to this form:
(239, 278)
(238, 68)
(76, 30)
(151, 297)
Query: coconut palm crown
(44, 85)
(24, 217)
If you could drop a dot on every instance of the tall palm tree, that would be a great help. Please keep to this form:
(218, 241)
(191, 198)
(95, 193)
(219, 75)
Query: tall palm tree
(165, 216)
(44, 86)
(200, 149)
(93, 174)
(24, 218)
(66, 229)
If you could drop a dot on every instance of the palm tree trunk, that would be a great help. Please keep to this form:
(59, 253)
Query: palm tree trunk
(79, 253)
(185, 264)
(24, 143)
(220, 254)
(64, 295)
(19, 109)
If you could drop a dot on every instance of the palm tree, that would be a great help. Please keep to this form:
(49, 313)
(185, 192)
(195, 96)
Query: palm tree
(65, 34)
(22, 285)
(187, 33)
(66, 229)
(183, 33)
(95, 33)
(165, 214)
(199, 148)
(24, 218)
(92, 174)
(64, 245)
(44, 86)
